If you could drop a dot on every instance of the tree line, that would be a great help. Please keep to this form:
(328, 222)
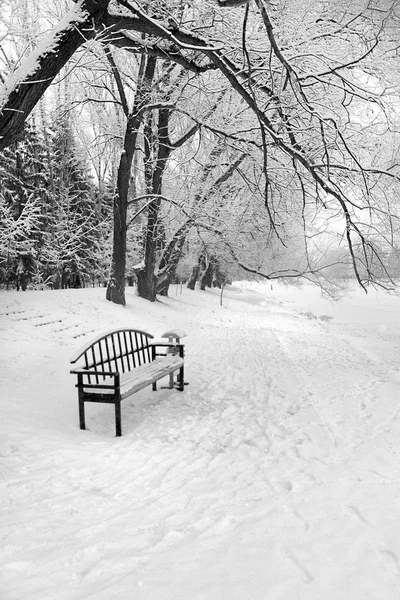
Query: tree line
(238, 136)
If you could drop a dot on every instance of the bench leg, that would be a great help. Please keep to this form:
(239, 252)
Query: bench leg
(181, 379)
(155, 386)
(118, 431)
(81, 411)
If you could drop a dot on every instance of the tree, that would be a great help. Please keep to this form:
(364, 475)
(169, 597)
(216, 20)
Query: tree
(116, 285)
(75, 223)
(158, 150)
(52, 223)
(23, 195)
(305, 73)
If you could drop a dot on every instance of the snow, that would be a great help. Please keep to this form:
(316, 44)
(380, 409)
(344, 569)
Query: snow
(274, 475)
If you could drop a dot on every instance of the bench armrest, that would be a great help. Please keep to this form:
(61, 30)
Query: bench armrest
(83, 371)
(177, 347)
(167, 345)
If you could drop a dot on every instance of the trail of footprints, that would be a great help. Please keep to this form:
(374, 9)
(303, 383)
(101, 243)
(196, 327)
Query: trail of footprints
(41, 319)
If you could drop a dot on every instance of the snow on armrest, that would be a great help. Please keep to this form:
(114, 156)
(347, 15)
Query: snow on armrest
(174, 335)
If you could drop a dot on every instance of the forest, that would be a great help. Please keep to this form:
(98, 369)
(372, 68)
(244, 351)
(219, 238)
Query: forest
(151, 143)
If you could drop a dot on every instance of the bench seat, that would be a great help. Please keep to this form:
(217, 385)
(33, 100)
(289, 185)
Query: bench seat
(134, 381)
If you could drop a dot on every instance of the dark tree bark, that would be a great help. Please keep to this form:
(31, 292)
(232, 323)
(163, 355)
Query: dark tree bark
(24, 97)
(116, 285)
(198, 270)
(219, 277)
(191, 284)
(146, 280)
(206, 276)
(170, 259)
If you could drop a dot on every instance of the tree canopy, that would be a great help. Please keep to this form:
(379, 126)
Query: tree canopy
(315, 100)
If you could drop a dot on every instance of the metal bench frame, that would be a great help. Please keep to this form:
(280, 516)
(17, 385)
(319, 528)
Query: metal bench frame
(120, 362)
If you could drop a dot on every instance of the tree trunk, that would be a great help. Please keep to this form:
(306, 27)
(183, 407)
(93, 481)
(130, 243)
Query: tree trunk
(203, 266)
(198, 270)
(193, 277)
(116, 284)
(163, 286)
(207, 276)
(146, 285)
(170, 258)
(219, 277)
(146, 280)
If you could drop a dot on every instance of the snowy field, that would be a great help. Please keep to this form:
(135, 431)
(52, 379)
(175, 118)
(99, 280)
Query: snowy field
(274, 475)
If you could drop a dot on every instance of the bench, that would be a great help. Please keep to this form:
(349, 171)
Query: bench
(121, 362)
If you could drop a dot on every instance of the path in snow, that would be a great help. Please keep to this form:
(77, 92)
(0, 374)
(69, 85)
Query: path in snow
(274, 475)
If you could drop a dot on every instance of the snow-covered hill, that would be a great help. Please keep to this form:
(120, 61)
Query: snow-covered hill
(274, 475)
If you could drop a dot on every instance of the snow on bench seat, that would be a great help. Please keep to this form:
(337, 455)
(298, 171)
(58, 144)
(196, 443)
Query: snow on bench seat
(142, 376)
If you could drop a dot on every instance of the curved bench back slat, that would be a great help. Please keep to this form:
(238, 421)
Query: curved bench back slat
(127, 335)
(117, 350)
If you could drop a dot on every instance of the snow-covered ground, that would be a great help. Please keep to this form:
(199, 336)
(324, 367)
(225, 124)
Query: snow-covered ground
(274, 475)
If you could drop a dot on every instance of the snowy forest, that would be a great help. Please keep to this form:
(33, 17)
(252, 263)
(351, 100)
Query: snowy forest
(155, 142)
(224, 175)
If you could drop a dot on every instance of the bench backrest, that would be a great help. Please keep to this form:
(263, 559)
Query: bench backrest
(117, 350)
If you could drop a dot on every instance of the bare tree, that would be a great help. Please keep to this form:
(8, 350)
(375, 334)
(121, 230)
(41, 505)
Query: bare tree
(306, 75)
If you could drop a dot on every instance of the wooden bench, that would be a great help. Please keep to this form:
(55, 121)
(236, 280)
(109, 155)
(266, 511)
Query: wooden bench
(121, 362)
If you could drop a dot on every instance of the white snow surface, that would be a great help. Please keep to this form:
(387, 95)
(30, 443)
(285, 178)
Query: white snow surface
(274, 475)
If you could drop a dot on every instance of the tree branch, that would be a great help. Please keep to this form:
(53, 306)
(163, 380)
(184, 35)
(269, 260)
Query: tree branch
(27, 85)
